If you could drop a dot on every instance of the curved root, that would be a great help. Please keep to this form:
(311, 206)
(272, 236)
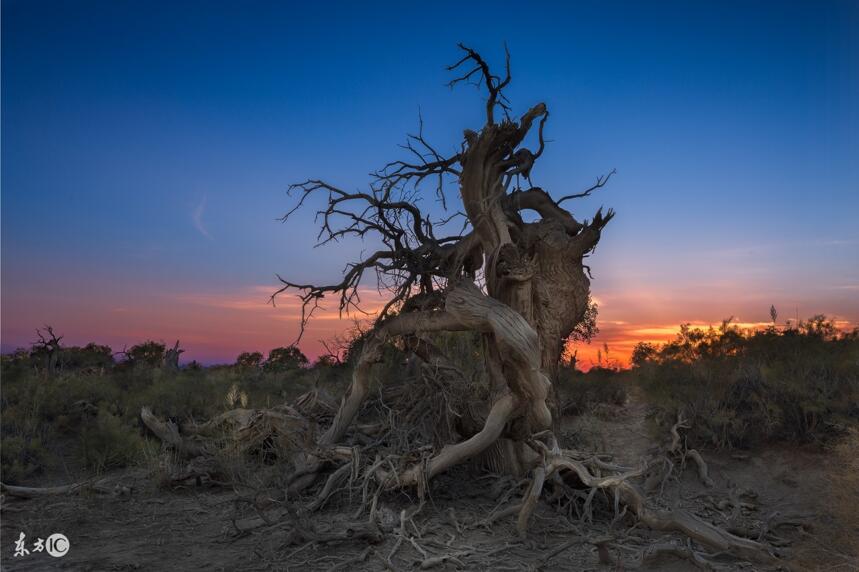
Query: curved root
(667, 520)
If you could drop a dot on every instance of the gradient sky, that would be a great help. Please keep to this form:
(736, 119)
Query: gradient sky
(147, 146)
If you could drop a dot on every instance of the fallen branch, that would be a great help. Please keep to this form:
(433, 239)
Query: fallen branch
(168, 432)
(76, 488)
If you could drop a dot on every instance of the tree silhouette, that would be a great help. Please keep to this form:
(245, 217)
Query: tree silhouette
(280, 359)
(149, 353)
(48, 347)
(249, 359)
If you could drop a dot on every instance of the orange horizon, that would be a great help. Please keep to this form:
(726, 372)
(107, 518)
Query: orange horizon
(215, 327)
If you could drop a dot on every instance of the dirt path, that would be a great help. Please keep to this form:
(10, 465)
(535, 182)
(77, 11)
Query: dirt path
(621, 432)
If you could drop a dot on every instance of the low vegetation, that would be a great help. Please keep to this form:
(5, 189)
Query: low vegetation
(597, 391)
(79, 412)
(82, 414)
(741, 388)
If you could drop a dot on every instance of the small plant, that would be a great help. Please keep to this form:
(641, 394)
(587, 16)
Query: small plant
(236, 397)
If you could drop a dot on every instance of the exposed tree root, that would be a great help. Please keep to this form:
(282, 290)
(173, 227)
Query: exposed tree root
(100, 487)
(667, 520)
(678, 448)
(334, 480)
(552, 466)
(454, 454)
(589, 471)
(653, 553)
(532, 496)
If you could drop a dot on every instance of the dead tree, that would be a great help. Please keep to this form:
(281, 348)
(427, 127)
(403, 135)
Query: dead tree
(48, 345)
(171, 357)
(535, 292)
(518, 282)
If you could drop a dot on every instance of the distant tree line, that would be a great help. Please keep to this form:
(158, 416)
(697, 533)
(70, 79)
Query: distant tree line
(48, 355)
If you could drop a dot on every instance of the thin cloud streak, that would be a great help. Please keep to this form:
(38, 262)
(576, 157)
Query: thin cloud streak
(197, 218)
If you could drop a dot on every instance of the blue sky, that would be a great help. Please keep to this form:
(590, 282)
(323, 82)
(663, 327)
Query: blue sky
(147, 146)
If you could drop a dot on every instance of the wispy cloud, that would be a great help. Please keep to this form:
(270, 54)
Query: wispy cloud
(845, 287)
(197, 218)
(258, 299)
(837, 242)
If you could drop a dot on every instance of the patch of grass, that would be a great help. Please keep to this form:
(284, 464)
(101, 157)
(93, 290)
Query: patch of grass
(107, 442)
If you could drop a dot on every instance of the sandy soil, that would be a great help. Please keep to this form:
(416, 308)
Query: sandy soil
(194, 528)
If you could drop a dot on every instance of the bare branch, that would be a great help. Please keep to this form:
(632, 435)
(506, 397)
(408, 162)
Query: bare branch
(430, 164)
(347, 288)
(538, 200)
(494, 84)
(540, 135)
(601, 182)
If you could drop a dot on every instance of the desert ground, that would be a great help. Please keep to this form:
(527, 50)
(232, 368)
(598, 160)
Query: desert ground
(787, 496)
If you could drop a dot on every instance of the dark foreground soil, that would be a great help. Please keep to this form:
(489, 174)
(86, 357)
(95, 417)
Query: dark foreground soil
(195, 528)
